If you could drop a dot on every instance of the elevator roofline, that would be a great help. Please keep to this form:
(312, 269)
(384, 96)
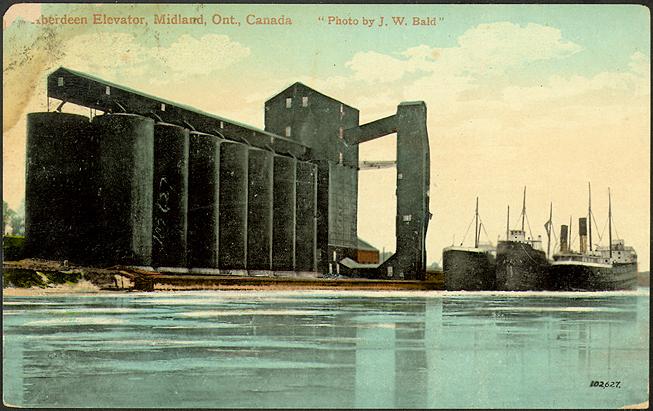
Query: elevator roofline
(300, 84)
(89, 91)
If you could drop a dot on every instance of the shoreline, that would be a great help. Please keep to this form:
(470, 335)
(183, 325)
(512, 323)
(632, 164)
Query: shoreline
(86, 287)
(34, 278)
(72, 291)
(39, 277)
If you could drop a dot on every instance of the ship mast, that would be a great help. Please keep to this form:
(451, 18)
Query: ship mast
(548, 231)
(476, 230)
(508, 224)
(589, 214)
(523, 210)
(610, 221)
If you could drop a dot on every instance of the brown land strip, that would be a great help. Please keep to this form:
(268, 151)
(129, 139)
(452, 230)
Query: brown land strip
(118, 278)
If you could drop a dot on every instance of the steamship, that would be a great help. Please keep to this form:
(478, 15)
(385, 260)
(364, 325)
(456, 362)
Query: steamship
(607, 268)
(470, 268)
(521, 262)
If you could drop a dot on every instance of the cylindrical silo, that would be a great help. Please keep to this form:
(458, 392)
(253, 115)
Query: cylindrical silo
(233, 206)
(203, 200)
(60, 187)
(170, 196)
(305, 212)
(126, 173)
(283, 214)
(259, 210)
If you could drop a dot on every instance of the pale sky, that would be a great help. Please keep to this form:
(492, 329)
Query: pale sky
(548, 97)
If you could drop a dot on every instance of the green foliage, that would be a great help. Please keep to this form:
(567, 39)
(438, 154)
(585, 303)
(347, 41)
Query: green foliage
(13, 219)
(7, 213)
(25, 278)
(22, 278)
(17, 225)
(434, 266)
(59, 277)
(13, 247)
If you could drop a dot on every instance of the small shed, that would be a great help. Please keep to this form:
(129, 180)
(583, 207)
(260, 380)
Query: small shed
(366, 253)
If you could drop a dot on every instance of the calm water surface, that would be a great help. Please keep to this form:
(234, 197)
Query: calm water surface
(326, 349)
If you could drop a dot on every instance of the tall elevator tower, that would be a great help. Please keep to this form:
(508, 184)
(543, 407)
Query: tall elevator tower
(318, 122)
(413, 180)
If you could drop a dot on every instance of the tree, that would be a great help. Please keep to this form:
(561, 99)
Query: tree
(13, 222)
(435, 266)
(18, 220)
(7, 214)
(17, 224)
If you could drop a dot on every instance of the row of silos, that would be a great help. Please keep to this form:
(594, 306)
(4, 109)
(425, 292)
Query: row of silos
(124, 189)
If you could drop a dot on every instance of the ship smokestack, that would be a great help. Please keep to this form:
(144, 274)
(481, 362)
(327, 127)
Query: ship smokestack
(564, 246)
(582, 232)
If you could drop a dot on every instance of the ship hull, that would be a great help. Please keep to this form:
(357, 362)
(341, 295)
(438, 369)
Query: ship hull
(520, 267)
(586, 277)
(468, 270)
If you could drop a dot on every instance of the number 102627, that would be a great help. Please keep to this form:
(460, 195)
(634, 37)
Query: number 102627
(605, 384)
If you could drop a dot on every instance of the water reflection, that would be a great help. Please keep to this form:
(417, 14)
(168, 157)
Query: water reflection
(426, 350)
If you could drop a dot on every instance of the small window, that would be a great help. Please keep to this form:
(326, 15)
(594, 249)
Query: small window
(400, 176)
(304, 101)
(288, 130)
(341, 133)
(342, 108)
(389, 271)
(340, 157)
(334, 256)
(107, 91)
(60, 81)
(407, 217)
(163, 107)
(289, 102)
(222, 124)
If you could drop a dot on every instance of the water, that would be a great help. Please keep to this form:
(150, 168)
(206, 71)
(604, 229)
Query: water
(326, 349)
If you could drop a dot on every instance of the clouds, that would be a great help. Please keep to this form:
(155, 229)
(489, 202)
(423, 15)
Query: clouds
(552, 130)
(444, 76)
(116, 56)
(109, 55)
(373, 67)
(640, 64)
(31, 52)
(497, 46)
(625, 84)
(200, 56)
(466, 84)
(484, 50)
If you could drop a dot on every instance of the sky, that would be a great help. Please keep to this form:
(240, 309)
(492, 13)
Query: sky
(550, 97)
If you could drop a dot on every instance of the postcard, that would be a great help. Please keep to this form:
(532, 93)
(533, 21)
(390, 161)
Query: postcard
(326, 205)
